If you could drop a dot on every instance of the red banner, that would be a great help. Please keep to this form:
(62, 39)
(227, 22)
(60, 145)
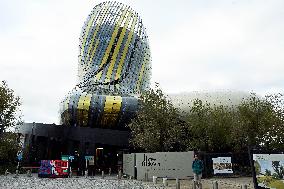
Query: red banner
(53, 168)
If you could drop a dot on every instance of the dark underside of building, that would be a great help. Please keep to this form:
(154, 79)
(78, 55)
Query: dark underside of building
(50, 141)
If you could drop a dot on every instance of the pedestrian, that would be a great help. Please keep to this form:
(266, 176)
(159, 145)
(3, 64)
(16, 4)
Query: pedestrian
(197, 167)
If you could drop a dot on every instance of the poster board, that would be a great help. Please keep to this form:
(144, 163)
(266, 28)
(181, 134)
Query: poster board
(53, 168)
(269, 169)
(222, 165)
(90, 159)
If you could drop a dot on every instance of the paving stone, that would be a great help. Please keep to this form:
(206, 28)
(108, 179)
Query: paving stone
(24, 182)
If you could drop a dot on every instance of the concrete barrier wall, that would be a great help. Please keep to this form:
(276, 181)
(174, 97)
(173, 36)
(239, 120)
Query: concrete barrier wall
(164, 164)
(129, 164)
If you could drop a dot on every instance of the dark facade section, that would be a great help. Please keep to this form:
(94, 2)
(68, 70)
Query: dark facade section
(50, 141)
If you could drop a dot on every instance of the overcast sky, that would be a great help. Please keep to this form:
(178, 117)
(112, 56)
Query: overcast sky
(196, 45)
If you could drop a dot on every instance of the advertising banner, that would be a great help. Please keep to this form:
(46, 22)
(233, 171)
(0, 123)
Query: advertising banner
(222, 165)
(269, 169)
(53, 168)
(21, 144)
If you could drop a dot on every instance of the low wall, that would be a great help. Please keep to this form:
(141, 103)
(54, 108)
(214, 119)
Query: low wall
(160, 164)
(129, 164)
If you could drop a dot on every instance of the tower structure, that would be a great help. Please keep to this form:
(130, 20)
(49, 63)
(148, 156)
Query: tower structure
(114, 68)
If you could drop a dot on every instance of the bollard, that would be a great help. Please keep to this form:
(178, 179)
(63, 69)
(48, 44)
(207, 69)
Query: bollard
(7, 172)
(109, 171)
(215, 184)
(86, 173)
(146, 176)
(103, 174)
(244, 186)
(194, 184)
(17, 174)
(165, 182)
(29, 174)
(119, 174)
(154, 179)
(70, 173)
(177, 183)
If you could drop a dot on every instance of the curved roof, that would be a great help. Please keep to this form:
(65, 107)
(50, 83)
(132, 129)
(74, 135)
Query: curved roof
(184, 100)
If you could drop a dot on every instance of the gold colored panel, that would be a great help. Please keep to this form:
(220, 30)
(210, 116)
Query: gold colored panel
(111, 110)
(83, 109)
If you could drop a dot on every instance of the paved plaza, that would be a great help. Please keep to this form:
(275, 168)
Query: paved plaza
(223, 183)
(24, 182)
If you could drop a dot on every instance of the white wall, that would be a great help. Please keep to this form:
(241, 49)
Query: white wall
(160, 164)
(129, 164)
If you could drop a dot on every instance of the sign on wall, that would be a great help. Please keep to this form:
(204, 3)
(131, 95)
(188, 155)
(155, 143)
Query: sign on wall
(222, 165)
(53, 168)
(269, 169)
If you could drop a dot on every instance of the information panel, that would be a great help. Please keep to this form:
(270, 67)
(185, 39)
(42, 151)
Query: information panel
(222, 165)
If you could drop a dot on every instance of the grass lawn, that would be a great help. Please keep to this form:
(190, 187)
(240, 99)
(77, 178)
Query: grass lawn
(271, 182)
(276, 184)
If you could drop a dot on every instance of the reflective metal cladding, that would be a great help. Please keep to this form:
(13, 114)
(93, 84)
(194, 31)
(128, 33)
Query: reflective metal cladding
(114, 67)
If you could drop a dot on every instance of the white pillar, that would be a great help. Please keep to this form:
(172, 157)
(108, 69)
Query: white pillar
(154, 179)
(165, 182)
(177, 183)
(215, 185)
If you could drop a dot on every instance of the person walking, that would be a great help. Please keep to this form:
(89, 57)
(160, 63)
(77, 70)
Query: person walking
(197, 167)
